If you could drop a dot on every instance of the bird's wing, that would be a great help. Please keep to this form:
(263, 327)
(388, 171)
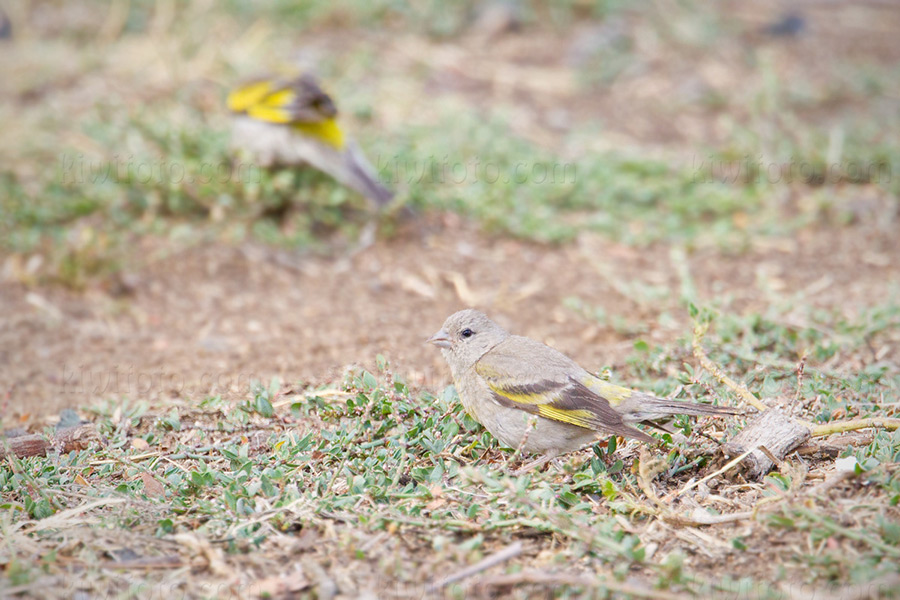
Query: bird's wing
(524, 374)
(615, 394)
(636, 407)
(241, 98)
(299, 102)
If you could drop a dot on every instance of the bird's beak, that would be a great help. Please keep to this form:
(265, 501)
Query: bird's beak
(440, 339)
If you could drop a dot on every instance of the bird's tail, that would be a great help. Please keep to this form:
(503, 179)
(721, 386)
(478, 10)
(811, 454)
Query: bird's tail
(644, 407)
(361, 176)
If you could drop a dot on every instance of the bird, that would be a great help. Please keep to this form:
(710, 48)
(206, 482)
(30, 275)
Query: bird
(532, 397)
(291, 120)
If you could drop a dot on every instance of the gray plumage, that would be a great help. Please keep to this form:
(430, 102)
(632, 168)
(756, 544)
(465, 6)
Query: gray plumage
(505, 381)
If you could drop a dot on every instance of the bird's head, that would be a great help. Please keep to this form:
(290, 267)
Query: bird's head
(465, 337)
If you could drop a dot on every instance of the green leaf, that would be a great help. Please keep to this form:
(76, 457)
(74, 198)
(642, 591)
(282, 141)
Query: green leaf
(165, 527)
(264, 407)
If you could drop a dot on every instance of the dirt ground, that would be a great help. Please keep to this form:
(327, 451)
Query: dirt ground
(209, 319)
(183, 321)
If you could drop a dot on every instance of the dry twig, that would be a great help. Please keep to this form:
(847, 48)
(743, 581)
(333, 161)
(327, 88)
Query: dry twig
(741, 390)
(738, 388)
(856, 424)
(575, 579)
(501, 556)
(65, 440)
(729, 465)
(768, 439)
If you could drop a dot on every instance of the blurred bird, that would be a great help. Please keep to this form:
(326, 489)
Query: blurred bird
(788, 25)
(291, 121)
(505, 381)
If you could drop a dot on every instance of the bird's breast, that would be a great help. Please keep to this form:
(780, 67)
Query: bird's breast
(510, 425)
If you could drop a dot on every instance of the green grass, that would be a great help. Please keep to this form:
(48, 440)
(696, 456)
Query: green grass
(166, 166)
(370, 455)
(184, 175)
(367, 458)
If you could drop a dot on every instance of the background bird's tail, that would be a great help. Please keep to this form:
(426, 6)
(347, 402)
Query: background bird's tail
(273, 144)
(362, 177)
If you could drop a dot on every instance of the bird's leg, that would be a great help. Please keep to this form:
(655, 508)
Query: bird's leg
(540, 462)
(366, 239)
(532, 421)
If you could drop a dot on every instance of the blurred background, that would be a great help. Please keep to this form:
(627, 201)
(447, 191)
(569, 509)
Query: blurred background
(582, 169)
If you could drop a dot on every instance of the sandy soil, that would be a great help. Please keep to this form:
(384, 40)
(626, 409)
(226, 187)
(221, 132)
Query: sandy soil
(209, 319)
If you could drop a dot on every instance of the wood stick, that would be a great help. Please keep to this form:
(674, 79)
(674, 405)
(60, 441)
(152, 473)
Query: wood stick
(739, 389)
(511, 551)
(773, 430)
(65, 440)
(669, 497)
(835, 446)
(854, 425)
(145, 563)
(575, 579)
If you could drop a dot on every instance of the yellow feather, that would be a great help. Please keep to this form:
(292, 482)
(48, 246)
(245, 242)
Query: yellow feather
(614, 394)
(273, 107)
(258, 101)
(579, 417)
(520, 398)
(328, 131)
(486, 370)
(271, 114)
(242, 98)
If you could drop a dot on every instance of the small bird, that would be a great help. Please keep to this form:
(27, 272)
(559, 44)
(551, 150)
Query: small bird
(505, 381)
(292, 121)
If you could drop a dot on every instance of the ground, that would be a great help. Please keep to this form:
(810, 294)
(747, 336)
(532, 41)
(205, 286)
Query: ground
(270, 420)
(211, 319)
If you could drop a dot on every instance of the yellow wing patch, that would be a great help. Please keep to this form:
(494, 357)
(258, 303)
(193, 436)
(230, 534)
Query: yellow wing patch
(246, 96)
(614, 394)
(573, 402)
(486, 370)
(580, 417)
(274, 108)
(520, 395)
(328, 131)
(263, 101)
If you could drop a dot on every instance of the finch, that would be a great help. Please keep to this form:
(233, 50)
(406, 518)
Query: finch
(505, 381)
(292, 121)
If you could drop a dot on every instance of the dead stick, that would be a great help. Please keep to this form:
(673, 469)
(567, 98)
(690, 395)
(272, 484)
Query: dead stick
(145, 563)
(511, 551)
(742, 391)
(694, 484)
(69, 517)
(739, 388)
(706, 518)
(854, 425)
(65, 440)
(876, 588)
(646, 472)
(574, 579)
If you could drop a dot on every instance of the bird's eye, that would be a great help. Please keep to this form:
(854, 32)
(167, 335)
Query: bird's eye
(466, 333)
